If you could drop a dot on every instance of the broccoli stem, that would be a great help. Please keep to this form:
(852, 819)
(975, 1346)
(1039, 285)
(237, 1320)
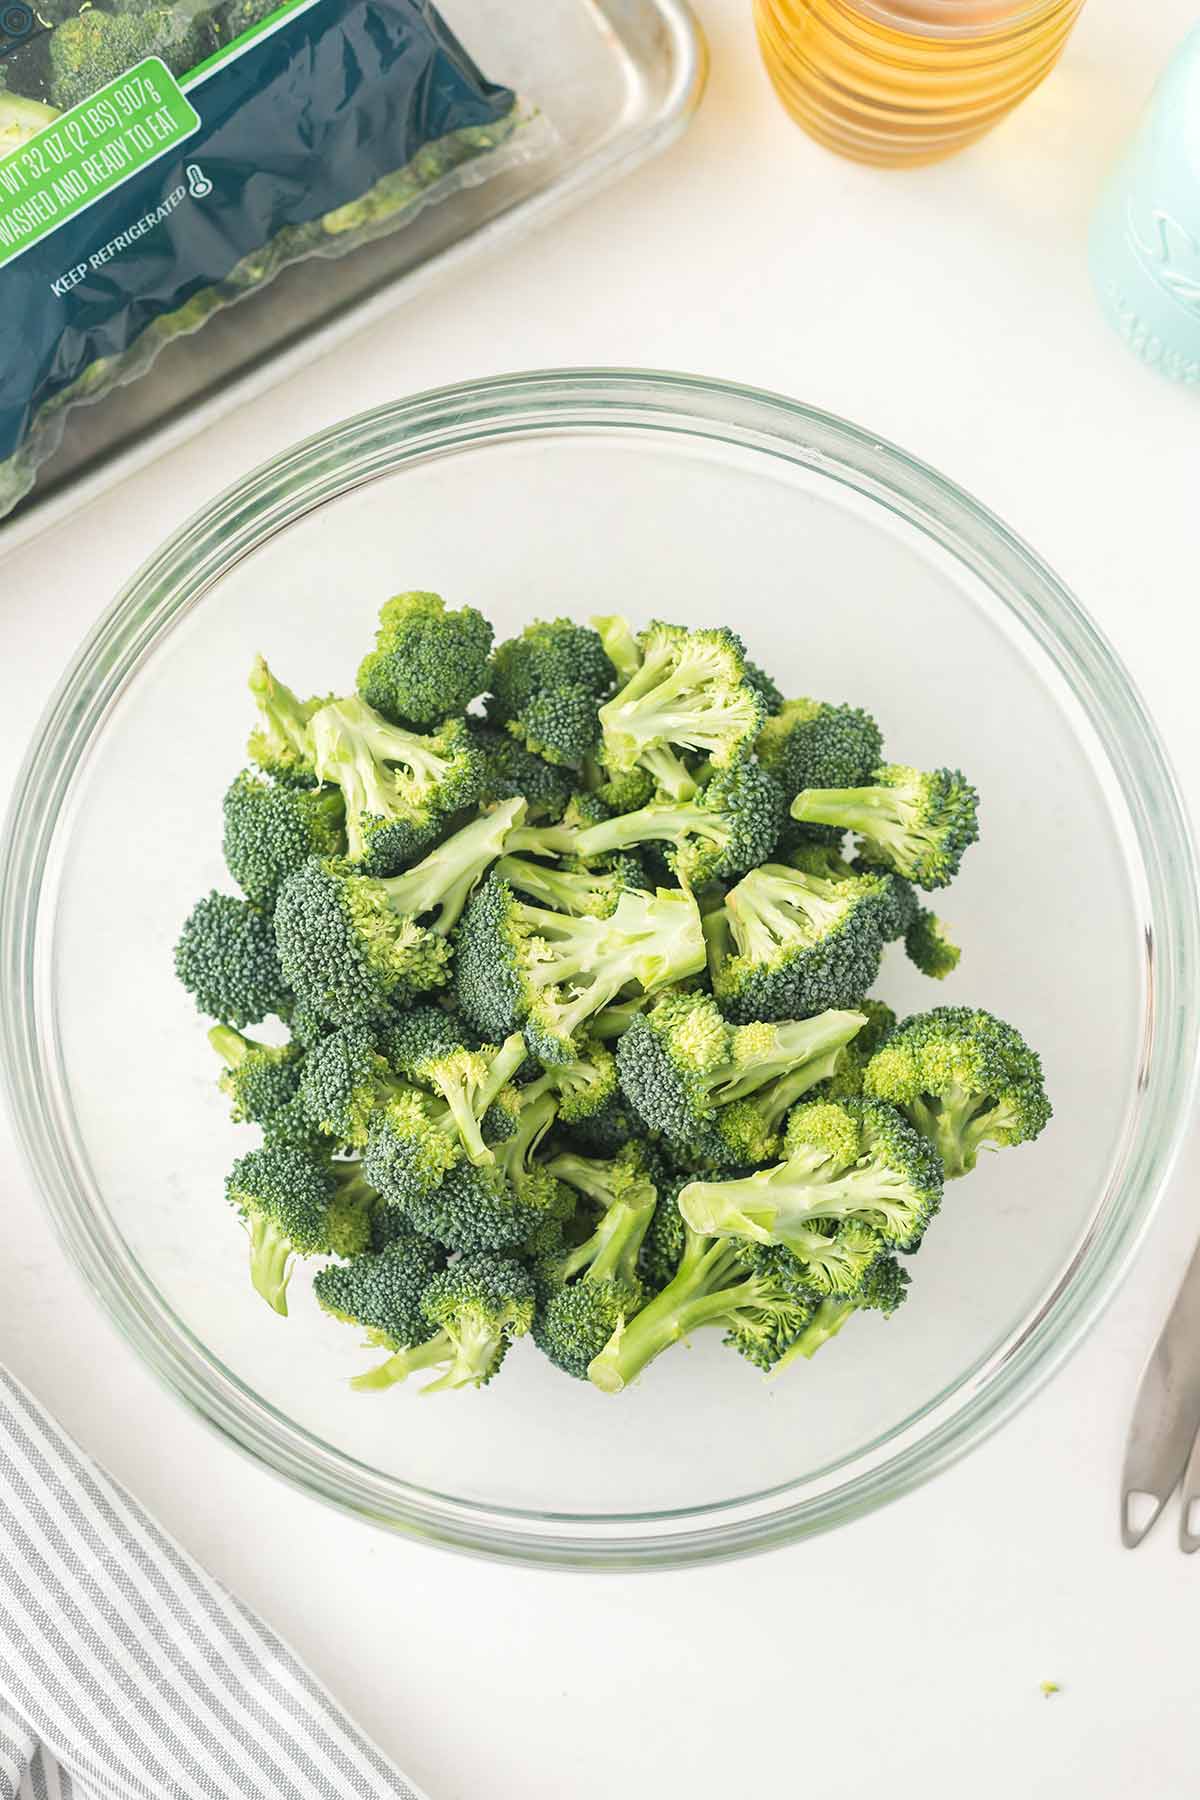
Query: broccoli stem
(620, 645)
(669, 771)
(270, 1259)
(874, 812)
(798, 1045)
(825, 1323)
(404, 1363)
(282, 710)
(779, 1205)
(230, 1045)
(956, 1126)
(658, 821)
(697, 1296)
(613, 1020)
(505, 1064)
(443, 881)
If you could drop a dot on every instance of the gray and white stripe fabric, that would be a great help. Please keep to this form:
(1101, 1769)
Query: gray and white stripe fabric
(126, 1672)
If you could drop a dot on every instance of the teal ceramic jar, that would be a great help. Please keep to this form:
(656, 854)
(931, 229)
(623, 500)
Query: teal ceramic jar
(1145, 238)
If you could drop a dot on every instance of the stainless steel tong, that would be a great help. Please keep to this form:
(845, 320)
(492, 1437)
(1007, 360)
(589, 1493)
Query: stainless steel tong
(1164, 1437)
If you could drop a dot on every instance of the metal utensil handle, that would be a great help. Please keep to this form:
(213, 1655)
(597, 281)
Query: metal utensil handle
(1166, 1416)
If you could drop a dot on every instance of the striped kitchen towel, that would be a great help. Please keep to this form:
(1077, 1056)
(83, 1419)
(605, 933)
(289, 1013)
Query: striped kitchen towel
(126, 1673)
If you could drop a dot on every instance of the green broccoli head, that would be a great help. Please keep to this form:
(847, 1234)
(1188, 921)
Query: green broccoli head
(688, 696)
(915, 823)
(546, 687)
(281, 743)
(789, 944)
(759, 1301)
(428, 663)
(345, 950)
(270, 829)
(399, 787)
(929, 946)
(284, 1199)
(812, 744)
(731, 826)
(510, 770)
(520, 966)
(474, 1309)
(859, 1159)
(717, 1092)
(885, 1288)
(381, 1292)
(227, 960)
(261, 1083)
(429, 1045)
(966, 1081)
(351, 944)
(344, 1079)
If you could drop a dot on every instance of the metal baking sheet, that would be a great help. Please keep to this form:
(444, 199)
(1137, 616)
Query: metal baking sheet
(617, 79)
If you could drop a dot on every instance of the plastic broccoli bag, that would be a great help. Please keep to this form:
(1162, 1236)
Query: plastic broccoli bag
(158, 163)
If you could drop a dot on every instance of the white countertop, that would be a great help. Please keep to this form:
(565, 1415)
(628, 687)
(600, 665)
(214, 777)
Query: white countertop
(949, 309)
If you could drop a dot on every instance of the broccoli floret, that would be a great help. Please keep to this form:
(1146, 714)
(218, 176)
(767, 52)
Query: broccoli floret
(261, 1083)
(284, 1198)
(352, 1210)
(895, 898)
(527, 966)
(731, 826)
(427, 1044)
(929, 946)
(270, 829)
(884, 1289)
(381, 1292)
(585, 1085)
(914, 823)
(811, 744)
(349, 944)
(546, 687)
(427, 663)
(628, 792)
(965, 1079)
(510, 770)
(760, 1302)
(772, 694)
(344, 1080)
(688, 696)
(720, 1092)
(790, 944)
(475, 1309)
(590, 1289)
(583, 893)
(855, 1159)
(399, 787)
(281, 744)
(95, 47)
(227, 960)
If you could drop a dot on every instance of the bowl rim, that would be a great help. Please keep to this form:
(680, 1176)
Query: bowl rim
(466, 415)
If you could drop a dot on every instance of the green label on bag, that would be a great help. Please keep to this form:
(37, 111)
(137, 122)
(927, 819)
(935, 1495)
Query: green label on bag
(87, 152)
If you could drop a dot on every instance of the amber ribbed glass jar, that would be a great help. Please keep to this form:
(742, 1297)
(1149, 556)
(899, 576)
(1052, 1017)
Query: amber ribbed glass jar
(908, 81)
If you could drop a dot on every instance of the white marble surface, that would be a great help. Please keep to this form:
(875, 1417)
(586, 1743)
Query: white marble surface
(949, 309)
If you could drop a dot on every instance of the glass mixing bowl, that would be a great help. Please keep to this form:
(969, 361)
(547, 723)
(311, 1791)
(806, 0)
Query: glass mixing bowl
(853, 572)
